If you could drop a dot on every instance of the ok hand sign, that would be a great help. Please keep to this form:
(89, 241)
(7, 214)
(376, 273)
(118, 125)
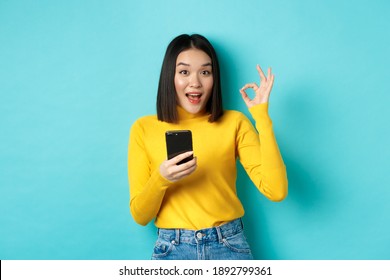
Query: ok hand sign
(262, 92)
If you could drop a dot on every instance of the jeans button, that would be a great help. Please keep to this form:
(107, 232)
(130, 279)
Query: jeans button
(199, 235)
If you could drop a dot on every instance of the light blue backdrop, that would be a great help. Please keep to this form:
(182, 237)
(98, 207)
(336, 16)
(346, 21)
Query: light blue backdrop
(74, 76)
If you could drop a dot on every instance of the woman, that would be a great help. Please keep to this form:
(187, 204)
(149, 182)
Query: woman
(195, 204)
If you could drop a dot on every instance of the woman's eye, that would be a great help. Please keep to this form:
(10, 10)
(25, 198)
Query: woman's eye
(183, 72)
(206, 72)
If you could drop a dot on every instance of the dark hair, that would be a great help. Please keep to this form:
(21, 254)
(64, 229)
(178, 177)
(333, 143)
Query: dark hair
(166, 95)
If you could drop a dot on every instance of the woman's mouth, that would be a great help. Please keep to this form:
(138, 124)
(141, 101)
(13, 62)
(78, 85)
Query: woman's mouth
(194, 98)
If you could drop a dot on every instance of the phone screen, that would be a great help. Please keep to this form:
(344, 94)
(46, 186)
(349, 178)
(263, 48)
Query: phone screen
(178, 142)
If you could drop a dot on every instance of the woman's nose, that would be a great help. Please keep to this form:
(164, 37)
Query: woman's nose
(195, 82)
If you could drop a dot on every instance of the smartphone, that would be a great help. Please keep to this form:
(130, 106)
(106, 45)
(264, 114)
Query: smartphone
(178, 142)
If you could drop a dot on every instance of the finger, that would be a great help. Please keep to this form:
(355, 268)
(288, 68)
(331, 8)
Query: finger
(186, 172)
(179, 171)
(180, 157)
(271, 80)
(261, 73)
(186, 165)
(253, 86)
(269, 72)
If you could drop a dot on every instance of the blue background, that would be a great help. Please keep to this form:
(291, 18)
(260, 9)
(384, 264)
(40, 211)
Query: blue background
(74, 76)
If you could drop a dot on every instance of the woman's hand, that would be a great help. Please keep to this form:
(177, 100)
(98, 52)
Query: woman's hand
(262, 92)
(173, 172)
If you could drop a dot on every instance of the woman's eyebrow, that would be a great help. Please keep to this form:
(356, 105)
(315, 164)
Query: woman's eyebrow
(182, 63)
(186, 64)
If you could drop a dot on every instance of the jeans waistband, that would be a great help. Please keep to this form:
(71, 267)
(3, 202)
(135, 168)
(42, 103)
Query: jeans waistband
(203, 235)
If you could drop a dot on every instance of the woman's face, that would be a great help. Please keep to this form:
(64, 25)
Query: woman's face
(193, 80)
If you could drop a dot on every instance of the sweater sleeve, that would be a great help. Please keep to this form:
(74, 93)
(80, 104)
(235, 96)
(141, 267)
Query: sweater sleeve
(147, 188)
(260, 156)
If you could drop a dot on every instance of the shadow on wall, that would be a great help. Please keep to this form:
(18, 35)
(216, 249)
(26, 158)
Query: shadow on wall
(302, 126)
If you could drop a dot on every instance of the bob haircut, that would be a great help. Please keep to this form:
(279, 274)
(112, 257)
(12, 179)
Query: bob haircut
(166, 95)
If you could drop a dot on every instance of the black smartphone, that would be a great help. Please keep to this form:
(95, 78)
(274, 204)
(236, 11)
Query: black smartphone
(178, 142)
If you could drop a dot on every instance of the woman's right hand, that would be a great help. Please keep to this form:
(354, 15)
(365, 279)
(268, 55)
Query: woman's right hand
(173, 172)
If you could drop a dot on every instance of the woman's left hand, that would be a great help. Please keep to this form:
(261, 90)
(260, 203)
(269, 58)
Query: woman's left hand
(262, 92)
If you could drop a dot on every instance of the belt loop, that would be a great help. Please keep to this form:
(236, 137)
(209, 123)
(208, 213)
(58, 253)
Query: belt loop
(219, 233)
(177, 237)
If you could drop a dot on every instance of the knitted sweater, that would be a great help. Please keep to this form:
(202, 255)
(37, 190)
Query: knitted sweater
(207, 197)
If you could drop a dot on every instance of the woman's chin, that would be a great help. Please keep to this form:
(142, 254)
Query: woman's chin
(192, 109)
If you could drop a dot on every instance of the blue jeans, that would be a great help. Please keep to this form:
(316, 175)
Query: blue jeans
(226, 242)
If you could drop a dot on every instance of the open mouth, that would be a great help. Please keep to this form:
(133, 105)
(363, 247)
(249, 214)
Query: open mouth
(194, 98)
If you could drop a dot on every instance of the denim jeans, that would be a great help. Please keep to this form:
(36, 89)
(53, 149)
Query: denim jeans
(225, 242)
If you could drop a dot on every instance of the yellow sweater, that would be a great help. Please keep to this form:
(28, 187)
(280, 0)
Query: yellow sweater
(207, 197)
